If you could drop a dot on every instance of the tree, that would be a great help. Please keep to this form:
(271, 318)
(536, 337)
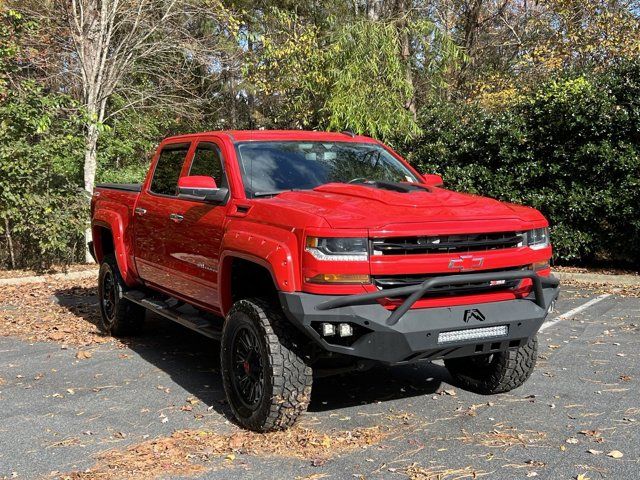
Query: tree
(144, 50)
(354, 72)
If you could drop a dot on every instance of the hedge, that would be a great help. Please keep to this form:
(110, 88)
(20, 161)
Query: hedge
(570, 148)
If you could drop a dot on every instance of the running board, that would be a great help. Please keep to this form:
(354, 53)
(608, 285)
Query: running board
(194, 321)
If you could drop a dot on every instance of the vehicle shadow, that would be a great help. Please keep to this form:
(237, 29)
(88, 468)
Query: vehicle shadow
(192, 361)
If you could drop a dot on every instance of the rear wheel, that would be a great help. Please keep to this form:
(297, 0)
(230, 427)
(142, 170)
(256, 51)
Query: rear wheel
(118, 316)
(495, 372)
(268, 384)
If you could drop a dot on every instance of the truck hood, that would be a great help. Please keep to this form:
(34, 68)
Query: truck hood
(359, 206)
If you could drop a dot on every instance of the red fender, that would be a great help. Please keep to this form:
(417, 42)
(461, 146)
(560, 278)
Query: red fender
(272, 248)
(115, 218)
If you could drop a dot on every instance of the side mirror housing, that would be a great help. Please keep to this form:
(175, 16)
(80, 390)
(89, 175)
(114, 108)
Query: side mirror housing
(433, 180)
(203, 188)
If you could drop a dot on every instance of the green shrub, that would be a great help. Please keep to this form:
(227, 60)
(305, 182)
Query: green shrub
(571, 148)
(43, 212)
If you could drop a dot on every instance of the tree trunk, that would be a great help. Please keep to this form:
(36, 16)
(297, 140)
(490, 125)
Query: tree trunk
(374, 9)
(90, 165)
(7, 233)
(402, 10)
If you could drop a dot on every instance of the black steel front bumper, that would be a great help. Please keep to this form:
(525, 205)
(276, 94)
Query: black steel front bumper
(407, 334)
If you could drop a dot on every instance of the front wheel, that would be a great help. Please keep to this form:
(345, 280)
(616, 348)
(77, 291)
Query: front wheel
(495, 372)
(267, 383)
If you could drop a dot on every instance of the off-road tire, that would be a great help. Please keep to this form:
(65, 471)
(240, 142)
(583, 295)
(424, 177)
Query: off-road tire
(285, 377)
(118, 316)
(497, 372)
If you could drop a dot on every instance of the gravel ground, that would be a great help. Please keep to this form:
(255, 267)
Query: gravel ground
(60, 413)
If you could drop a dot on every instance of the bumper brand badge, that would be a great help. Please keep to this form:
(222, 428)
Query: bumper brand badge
(473, 314)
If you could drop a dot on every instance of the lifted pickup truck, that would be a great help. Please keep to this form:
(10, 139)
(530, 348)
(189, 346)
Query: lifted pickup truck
(315, 253)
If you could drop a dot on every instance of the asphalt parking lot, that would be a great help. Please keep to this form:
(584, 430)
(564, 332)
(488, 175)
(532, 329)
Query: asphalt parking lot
(61, 410)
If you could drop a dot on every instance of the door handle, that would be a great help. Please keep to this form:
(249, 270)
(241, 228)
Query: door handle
(140, 211)
(176, 217)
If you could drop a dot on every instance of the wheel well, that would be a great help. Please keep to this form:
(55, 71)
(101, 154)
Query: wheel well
(104, 243)
(248, 279)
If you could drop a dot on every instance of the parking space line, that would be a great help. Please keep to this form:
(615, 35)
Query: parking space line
(575, 311)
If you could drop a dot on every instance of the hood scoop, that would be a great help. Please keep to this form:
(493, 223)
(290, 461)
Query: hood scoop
(392, 193)
(401, 187)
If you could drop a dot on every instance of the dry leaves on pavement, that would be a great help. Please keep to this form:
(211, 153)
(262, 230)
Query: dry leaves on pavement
(64, 312)
(187, 452)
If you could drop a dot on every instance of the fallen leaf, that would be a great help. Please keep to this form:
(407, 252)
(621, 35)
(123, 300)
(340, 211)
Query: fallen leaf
(572, 440)
(582, 476)
(235, 441)
(615, 454)
(594, 452)
(83, 355)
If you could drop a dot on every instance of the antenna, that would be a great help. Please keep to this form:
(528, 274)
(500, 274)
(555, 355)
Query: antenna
(348, 132)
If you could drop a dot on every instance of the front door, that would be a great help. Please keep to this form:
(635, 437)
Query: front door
(197, 238)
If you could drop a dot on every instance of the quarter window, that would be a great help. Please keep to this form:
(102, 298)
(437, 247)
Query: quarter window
(167, 171)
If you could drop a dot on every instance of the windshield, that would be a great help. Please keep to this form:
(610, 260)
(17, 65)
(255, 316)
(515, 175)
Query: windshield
(272, 167)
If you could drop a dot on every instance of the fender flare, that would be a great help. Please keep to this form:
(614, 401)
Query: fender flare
(113, 221)
(276, 255)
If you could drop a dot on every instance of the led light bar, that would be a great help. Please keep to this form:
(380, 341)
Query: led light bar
(473, 334)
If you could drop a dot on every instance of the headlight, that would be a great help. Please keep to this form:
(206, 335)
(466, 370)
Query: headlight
(338, 249)
(538, 238)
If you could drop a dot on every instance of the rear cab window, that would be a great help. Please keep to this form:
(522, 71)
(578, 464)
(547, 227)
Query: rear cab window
(168, 168)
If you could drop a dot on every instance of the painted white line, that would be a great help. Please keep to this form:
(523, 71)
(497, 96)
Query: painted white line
(574, 312)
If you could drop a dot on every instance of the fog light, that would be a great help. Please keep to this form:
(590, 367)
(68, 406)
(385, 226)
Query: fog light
(345, 330)
(473, 334)
(328, 329)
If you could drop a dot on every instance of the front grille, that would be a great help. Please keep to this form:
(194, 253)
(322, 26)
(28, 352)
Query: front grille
(446, 243)
(396, 281)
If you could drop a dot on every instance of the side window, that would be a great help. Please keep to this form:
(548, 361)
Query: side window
(207, 161)
(167, 172)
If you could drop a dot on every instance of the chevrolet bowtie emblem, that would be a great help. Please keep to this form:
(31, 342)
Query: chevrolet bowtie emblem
(466, 262)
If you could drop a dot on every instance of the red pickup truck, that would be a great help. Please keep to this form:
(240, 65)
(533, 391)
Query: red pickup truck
(315, 253)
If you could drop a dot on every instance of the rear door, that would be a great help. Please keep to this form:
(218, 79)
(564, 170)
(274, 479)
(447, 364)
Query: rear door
(154, 224)
(198, 236)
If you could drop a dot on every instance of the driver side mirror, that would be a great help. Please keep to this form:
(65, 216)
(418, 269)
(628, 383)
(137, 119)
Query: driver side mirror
(200, 187)
(433, 180)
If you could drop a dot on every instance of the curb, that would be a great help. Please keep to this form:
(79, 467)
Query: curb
(600, 278)
(48, 278)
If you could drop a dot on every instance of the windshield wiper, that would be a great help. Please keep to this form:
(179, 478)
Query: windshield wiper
(273, 193)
